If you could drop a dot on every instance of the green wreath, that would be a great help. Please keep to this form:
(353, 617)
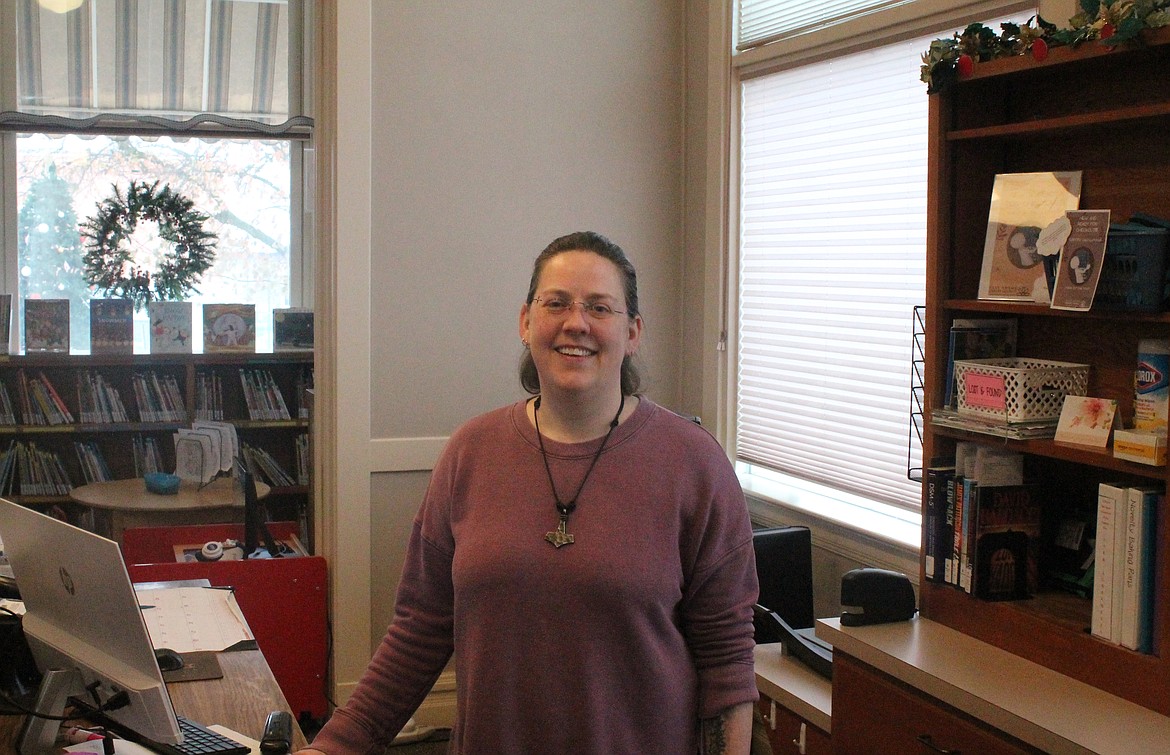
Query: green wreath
(109, 264)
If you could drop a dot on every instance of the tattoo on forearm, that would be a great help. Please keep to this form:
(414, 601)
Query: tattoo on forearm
(714, 736)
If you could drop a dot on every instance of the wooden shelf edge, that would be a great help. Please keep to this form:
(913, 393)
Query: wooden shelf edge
(1136, 115)
(1101, 458)
(1026, 309)
(1137, 677)
(1065, 54)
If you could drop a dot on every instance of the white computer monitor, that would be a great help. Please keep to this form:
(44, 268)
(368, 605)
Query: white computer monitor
(83, 622)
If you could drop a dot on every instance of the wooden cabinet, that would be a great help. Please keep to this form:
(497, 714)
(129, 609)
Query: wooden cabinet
(874, 713)
(1104, 112)
(788, 733)
(157, 394)
(794, 713)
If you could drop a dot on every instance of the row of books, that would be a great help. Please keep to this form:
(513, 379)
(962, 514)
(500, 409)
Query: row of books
(263, 396)
(147, 456)
(92, 462)
(159, 399)
(304, 459)
(983, 524)
(28, 470)
(226, 327)
(98, 401)
(40, 404)
(208, 396)
(263, 467)
(7, 410)
(1123, 565)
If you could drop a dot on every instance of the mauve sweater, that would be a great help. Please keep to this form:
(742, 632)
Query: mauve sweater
(618, 643)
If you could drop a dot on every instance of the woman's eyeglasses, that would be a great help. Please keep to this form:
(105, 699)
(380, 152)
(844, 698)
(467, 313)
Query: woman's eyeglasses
(558, 306)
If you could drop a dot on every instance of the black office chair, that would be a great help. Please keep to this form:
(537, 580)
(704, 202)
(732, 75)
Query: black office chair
(785, 606)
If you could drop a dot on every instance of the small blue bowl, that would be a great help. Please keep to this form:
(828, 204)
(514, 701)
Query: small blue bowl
(162, 483)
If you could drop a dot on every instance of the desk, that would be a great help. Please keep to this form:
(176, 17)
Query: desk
(795, 702)
(241, 700)
(944, 672)
(127, 503)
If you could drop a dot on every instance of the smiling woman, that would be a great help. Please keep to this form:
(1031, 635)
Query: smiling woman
(566, 544)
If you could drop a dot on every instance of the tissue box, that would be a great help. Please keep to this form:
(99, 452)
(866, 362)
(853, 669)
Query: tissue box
(1142, 446)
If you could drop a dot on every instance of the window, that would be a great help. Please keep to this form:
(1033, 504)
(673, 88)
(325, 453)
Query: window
(831, 262)
(203, 96)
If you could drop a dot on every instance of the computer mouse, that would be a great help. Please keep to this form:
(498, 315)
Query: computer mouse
(168, 660)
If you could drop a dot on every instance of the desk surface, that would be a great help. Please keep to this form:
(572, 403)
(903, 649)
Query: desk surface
(1030, 702)
(794, 685)
(132, 495)
(241, 700)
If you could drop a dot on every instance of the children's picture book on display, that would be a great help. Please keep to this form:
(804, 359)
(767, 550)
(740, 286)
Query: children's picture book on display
(111, 326)
(229, 328)
(292, 329)
(1023, 206)
(170, 327)
(1081, 259)
(46, 325)
(5, 323)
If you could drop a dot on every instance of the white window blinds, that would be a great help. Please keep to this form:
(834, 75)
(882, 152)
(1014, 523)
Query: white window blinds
(832, 260)
(762, 21)
(159, 65)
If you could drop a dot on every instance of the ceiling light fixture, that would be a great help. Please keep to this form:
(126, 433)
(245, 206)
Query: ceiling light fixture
(60, 6)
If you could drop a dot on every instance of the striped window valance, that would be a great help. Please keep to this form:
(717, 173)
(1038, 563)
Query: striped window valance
(159, 65)
(763, 21)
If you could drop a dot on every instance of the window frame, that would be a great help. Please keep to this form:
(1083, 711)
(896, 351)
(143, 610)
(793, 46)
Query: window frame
(884, 522)
(302, 159)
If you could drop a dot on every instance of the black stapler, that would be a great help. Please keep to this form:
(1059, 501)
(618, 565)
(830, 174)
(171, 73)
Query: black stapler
(875, 596)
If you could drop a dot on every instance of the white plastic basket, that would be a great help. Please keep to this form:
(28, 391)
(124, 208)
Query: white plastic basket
(1033, 389)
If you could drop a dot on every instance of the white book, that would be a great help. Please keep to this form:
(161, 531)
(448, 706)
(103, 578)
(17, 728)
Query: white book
(1136, 566)
(1111, 501)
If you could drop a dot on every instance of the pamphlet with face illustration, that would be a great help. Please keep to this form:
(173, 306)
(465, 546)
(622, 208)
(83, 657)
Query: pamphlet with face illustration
(1081, 258)
(1022, 207)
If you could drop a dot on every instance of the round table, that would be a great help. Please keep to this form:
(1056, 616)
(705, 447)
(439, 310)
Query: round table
(127, 503)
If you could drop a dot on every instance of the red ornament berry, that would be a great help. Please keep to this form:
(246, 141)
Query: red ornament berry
(965, 65)
(1039, 49)
(1107, 31)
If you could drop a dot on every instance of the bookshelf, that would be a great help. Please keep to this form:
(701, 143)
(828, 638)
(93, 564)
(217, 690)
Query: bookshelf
(71, 419)
(1102, 112)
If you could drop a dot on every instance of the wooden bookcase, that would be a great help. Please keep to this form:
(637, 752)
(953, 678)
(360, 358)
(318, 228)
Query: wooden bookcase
(291, 374)
(1104, 112)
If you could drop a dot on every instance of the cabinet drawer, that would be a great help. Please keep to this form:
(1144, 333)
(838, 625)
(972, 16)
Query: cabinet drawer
(873, 713)
(788, 733)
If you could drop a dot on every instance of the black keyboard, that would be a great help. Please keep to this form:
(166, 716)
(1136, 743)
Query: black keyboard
(198, 739)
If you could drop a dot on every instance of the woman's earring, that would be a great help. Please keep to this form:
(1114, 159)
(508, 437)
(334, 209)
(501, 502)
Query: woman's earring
(524, 342)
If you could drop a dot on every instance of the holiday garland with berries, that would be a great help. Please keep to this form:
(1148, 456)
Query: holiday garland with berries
(109, 262)
(1107, 22)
